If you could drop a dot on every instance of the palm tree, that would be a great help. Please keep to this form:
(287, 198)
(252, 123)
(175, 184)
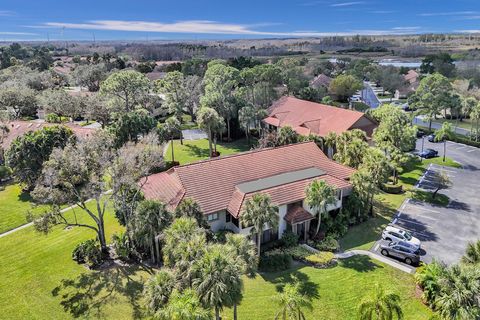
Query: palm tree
(472, 254)
(442, 134)
(291, 302)
(319, 196)
(329, 142)
(183, 306)
(158, 289)
(151, 218)
(427, 278)
(382, 306)
(173, 128)
(209, 120)
(189, 208)
(218, 278)
(244, 249)
(458, 297)
(258, 212)
(286, 135)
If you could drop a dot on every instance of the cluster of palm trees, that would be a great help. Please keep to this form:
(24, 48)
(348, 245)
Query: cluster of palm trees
(198, 275)
(453, 291)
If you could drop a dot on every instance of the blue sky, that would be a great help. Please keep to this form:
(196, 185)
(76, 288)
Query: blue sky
(200, 19)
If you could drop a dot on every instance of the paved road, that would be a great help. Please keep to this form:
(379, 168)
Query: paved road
(445, 231)
(369, 97)
(435, 125)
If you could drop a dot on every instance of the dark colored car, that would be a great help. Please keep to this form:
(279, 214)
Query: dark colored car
(420, 133)
(431, 138)
(404, 253)
(428, 153)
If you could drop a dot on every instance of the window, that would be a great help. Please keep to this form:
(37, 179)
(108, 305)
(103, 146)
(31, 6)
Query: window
(338, 194)
(228, 217)
(212, 217)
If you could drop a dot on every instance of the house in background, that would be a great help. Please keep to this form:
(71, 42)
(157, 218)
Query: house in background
(321, 81)
(221, 186)
(411, 84)
(306, 117)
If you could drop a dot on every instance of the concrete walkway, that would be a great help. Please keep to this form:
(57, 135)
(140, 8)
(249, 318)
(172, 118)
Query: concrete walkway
(372, 255)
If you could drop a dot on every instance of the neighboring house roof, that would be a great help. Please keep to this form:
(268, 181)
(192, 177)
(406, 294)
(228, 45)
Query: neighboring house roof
(411, 76)
(225, 183)
(19, 128)
(155, 75)
(321, 81)
(306, 117)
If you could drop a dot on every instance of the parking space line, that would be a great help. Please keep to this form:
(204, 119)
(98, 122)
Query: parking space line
(376, 247)
(460, 148)
(434, 211)
(471, 150)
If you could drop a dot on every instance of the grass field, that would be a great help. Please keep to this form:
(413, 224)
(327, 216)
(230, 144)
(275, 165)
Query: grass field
(364, 235)
(14, 205)
(192, 151)
(336, 292)
(41, 281)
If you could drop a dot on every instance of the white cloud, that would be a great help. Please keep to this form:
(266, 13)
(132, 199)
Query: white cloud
(450, 13)
(9, 33)
(346, 4)
(382, 11)
(468, 31)
(208, 27)
(6, 13)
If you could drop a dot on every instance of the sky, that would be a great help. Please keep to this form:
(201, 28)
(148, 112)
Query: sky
(207, 19)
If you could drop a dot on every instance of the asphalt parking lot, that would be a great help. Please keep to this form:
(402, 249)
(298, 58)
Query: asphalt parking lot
(446, 231)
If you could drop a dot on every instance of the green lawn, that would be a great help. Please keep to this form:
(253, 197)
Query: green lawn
(336, 292)
(465, 123)
(364, 235)
(14, 205)
(40, 280)
(192, 151)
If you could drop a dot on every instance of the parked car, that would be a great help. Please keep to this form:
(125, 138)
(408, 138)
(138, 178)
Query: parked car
(431, 138)
(395, 234)
(420, 133)
(401, 252)
(428, 153)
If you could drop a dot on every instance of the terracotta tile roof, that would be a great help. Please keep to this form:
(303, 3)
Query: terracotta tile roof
(297, 214)
(307, 117)
(19, 128)
(411, 76)
(212, 183)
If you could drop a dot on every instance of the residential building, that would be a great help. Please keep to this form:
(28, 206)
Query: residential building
(306, 117)
(221, 186)
(411, 84)
(321, 81)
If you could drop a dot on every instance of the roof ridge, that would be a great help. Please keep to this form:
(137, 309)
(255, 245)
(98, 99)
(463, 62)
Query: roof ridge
(253, 151)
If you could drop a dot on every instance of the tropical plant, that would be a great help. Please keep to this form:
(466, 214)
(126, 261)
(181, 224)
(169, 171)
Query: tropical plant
(286, 135)
(190, 209)
(183, 306)
(209, 120)
(218, 278)
(427, 278)
(382, 306)
(292, 302)
(158, 289)
(459, 290)
(472, 254)
(150, 219)
(258, 213)
(245, 249)
(319, 196)
(173, 129)
(443, 134)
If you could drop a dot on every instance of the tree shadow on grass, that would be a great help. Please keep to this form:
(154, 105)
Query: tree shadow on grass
(360, 263)
(420, 195)
(91, 291)
(280, 279)
(196, 151)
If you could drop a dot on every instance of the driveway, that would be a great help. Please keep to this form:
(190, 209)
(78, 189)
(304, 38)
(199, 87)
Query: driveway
(446, 231)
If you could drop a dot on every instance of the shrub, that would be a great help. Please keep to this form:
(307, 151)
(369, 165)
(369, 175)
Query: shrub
(122, 246)
(321, 259)
(220, 236)
(298, 252)
(5, 172)
(52, 118)
(289, 239)
(275, 260)
(392, 188)
(329, 243)
(88, 252)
